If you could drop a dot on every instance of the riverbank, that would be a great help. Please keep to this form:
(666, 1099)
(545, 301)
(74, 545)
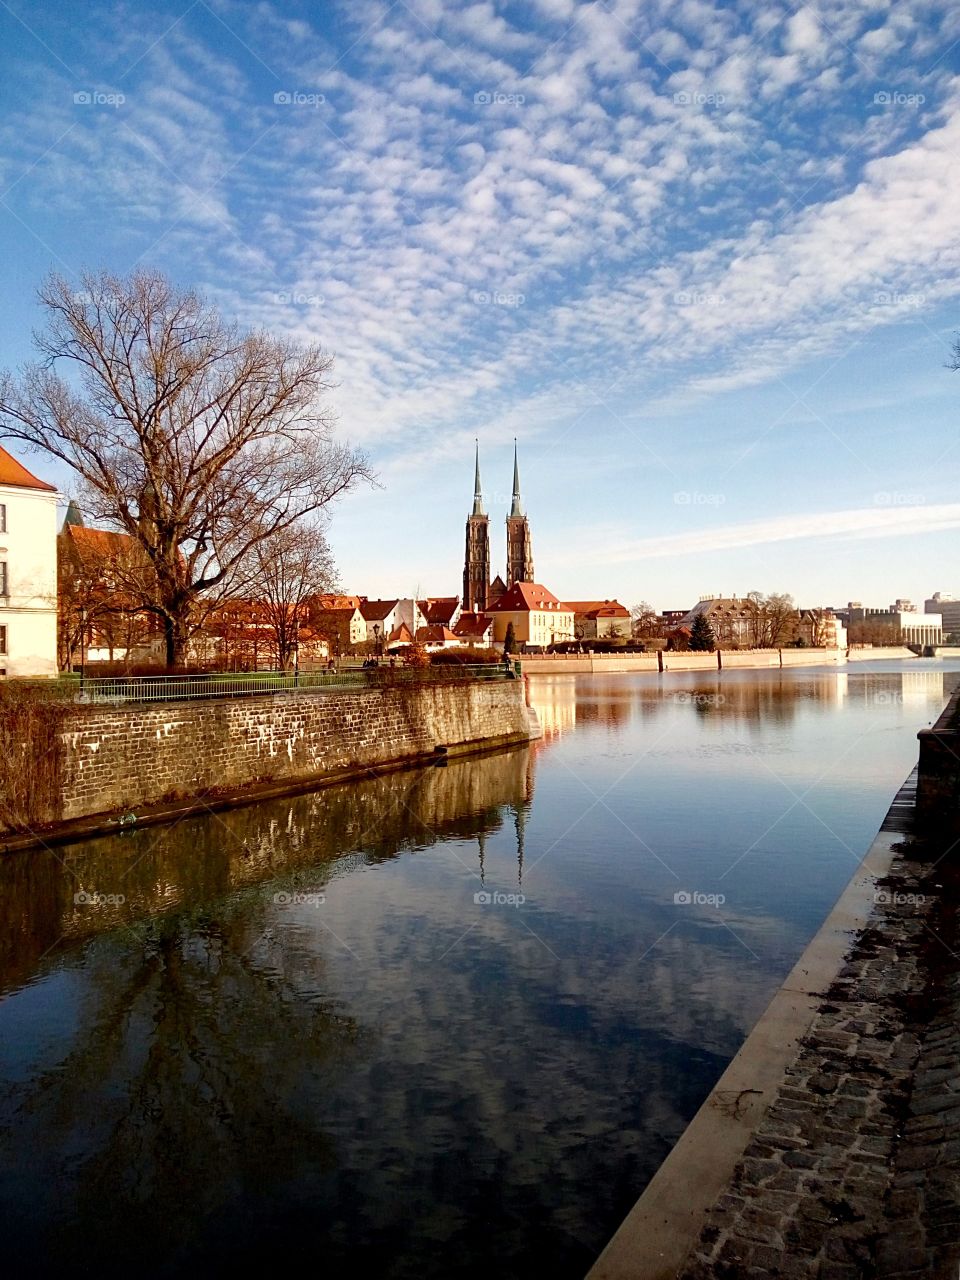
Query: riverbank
(111, 767)
(741, 660)
(830, 1147)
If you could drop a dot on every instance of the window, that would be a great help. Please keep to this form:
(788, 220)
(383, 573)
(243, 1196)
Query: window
(3, 517)
(3, 578)
(3, 641)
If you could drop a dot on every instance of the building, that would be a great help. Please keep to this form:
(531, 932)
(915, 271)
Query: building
(101, 618)
(949, 609)
(475, 630)
(733, 621)
(894, 626)
(437, 637)
(440, 611)
(822, 629)
(600, 620)
(380, 618)
(342, 627)
(476, 562)
(519, 545)
(539, 619)
(28, 571)
(478, 590)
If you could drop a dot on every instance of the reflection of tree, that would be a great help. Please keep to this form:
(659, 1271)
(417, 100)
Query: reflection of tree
(190, 1078)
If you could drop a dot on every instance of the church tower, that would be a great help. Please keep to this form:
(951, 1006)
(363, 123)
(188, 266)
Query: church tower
(476, 564)
(519, 545)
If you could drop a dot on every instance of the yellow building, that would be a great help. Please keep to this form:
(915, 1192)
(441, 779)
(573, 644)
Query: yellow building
(539, 619)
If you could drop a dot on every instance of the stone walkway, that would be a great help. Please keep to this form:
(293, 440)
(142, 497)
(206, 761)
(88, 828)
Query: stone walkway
(855, 1169)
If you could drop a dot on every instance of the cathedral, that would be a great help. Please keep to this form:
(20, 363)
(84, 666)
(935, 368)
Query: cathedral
(478, 591)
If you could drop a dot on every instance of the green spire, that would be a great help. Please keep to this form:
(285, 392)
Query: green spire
(477, 496)
(515, 510)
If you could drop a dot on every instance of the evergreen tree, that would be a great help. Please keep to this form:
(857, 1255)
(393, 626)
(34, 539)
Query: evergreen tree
(510, 640)
(701, 635)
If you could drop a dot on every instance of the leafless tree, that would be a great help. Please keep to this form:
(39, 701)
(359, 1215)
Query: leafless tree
(290, 567)
(645, 622)
(193, 436)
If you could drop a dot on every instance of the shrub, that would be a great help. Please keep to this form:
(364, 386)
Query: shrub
(31, 753)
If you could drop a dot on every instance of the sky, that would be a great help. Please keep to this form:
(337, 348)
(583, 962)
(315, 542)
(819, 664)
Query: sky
(700, 260)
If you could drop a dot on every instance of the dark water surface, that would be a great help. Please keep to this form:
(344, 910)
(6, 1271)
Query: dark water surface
(300, 1038)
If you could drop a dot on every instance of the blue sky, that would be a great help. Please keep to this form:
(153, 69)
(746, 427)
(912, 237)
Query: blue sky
(700, 258)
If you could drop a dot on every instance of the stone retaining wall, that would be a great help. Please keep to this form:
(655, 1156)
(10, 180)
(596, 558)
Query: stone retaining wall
(938, 781)
(127, 756)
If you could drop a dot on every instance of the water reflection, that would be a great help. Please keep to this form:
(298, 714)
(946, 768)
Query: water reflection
(440, 1022)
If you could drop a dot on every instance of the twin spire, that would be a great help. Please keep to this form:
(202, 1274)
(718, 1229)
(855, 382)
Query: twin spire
(516, 509)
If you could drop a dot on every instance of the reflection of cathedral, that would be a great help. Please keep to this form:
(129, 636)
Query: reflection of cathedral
(478, 591)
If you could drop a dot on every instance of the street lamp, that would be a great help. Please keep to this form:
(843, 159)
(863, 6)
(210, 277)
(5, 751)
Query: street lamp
(376, 639)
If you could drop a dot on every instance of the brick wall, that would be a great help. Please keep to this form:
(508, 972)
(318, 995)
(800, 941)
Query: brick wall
(938, 776)
(124, 757)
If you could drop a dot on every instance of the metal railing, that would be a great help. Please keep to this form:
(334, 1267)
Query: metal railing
(240, 684)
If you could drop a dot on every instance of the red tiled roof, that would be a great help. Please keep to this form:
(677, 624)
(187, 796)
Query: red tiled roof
(332, 601)
(523, 597)
(401, 634)
(472, 624)
(435, 634)
(102, 542)
(599, 608)
(377, 610)
(15, 473)
(438, 609)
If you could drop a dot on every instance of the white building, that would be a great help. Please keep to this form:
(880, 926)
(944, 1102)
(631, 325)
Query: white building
(28, 572)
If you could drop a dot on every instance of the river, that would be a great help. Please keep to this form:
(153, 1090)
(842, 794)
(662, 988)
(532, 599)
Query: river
(446, 1022)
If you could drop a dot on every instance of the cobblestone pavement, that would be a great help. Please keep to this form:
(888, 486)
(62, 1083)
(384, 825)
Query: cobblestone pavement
(855, 1169)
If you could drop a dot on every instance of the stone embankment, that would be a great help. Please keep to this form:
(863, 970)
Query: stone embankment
(123, 757)
(747, 659)
(830, 1148)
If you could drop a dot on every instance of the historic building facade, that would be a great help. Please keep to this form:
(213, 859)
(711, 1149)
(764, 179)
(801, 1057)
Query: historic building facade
(479, 592)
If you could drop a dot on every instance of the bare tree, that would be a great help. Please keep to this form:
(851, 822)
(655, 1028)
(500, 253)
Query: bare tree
(290, 567)
(645, 622)
(196, 438)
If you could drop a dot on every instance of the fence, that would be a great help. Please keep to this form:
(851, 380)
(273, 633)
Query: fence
(238, 684)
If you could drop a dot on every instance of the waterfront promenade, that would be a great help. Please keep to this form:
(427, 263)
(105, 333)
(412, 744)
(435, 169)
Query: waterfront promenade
(847, 1162)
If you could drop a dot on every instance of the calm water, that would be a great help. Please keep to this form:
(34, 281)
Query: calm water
(301, 1038)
